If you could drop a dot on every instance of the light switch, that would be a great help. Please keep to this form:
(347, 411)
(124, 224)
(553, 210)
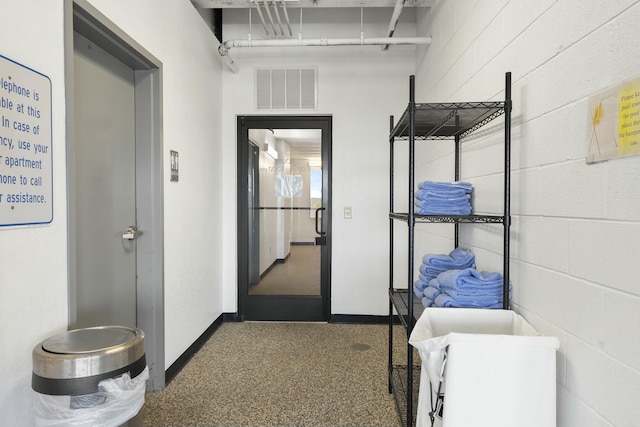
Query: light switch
(347, 212)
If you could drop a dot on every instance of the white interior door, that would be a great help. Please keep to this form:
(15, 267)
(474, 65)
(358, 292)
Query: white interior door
(105, 187)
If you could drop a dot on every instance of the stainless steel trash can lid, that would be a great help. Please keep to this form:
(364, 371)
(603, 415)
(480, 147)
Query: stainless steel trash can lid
(74, 362)
(89, 340)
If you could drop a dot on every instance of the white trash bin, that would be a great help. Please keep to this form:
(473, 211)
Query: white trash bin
(491, 368)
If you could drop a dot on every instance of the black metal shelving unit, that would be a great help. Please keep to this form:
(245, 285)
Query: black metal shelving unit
(428, 122)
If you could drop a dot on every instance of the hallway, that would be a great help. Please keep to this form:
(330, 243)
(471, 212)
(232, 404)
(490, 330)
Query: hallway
(284, 375)
(299, 274)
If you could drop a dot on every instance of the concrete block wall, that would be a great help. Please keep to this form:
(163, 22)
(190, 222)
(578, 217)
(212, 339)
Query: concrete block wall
(576, 227)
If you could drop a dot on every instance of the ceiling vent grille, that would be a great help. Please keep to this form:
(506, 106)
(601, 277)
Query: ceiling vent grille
(286, 88)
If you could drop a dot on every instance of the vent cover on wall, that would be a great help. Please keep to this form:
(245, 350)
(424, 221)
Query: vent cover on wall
(286, 88)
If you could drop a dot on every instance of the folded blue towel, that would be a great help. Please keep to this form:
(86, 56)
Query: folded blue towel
(434, 264)
(428, 195)
(443, 198)
(443, 210)
(444, 202)
(420, 284)
(431, 292)
(459, 258)
(470, 280)
(428, 272)
(444, 300)
(417, 292)
(441, 186)
(475, 295)
(426, 302)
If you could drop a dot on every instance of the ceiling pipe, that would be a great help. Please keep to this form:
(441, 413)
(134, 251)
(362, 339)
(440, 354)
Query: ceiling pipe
(264, 23)
(229, 62)
(243, 4)
(395, 16)
(286, 17)
(275, 10)
(273, 24)
(223, 49)
(364, 41)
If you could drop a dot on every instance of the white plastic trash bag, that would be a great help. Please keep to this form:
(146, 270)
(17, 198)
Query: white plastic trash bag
(117, 401)
(492, 368)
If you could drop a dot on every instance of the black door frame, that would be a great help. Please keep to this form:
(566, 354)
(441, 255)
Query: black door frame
(282, 307)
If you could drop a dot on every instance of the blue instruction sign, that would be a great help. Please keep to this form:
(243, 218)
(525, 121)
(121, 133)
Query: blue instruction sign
(26, 172)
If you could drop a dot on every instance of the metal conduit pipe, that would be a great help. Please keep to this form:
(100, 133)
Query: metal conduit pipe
(223, 49)
(395, 16)
(273, 24)
(286, 17)
(275, 10)
(264, 23)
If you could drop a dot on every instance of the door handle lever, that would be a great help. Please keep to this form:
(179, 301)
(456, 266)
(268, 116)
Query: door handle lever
(131, 233)
(319, 223)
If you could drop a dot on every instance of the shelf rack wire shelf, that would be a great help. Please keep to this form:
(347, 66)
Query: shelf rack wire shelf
(491, 219)
(437, 121)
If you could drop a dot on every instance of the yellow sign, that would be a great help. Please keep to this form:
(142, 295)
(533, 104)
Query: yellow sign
(629, 120)
(615, 122)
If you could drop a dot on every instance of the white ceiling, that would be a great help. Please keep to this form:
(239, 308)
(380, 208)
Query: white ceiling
(280, 30)
(243, 4)
(304, 143)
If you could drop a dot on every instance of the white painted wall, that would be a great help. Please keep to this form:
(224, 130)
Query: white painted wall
(284, 226)
(174, 32)
(269, 235)
(304, 224)
(576, 226)
(33, 261)
(360, 87)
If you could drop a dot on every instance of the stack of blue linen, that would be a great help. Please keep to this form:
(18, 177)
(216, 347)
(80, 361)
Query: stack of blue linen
(443, 198)
(430, 293)
(434, 264)
(469, 288)
(457, 259)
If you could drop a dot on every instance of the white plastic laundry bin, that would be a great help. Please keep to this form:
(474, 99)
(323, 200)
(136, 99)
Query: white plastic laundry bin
(493, 369)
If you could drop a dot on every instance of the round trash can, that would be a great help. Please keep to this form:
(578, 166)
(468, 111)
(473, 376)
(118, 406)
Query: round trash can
(92, 376)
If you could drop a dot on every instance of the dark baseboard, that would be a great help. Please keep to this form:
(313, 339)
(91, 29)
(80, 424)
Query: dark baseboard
(182, 361)
(230, 317)
(303, 243)
(273, 264)
(362, 319)
(283, 260)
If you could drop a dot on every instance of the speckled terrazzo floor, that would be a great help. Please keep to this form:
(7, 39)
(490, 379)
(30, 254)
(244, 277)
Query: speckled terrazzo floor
(281, 375)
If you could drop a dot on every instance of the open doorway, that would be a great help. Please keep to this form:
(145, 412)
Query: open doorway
(284, 231)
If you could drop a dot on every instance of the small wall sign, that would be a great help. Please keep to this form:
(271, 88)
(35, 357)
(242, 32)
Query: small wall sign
(26, 172)
(174, 165)
(614, 122)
